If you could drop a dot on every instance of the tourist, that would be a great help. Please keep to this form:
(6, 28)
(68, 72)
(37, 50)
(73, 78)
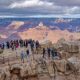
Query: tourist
(22, 56)
(21, 43)
(3, 46)
(26, 43)
(17, 44)
(37, 44)
(8, 45)
(32, 45)
(44, 52)
(54, 54)
(12, 45)
(27, 52)
(48, 51)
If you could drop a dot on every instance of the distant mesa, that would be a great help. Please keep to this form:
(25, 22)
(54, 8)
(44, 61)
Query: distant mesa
(54, 27)
(42, 26)
(61, 20)
(2, 36)
(39, 32)
(15, 25)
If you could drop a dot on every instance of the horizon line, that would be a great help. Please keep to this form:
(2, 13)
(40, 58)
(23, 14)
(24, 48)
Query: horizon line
(43, 16)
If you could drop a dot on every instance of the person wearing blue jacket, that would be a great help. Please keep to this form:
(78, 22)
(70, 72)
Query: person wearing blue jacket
(22, 56)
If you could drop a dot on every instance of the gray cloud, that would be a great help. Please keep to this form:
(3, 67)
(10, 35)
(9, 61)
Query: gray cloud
(57, 2)
(68, 3)
(39, 7)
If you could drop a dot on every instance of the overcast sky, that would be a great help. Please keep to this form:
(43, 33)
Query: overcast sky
(39, 7)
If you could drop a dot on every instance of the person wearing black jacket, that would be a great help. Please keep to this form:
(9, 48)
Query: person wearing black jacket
(49, 51)
(44, 52)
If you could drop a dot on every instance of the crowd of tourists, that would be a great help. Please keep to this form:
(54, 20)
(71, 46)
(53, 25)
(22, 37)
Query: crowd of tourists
(50, 52)
(47, 53)
(29, 45)
(14, 44)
